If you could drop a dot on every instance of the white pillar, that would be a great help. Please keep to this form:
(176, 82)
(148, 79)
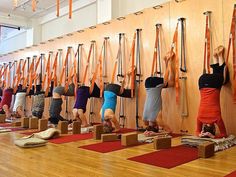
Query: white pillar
(104, 10)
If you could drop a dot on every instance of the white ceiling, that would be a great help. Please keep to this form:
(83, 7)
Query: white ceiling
(24, 8)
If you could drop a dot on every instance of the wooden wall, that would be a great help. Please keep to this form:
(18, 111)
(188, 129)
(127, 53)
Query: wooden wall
(192, 10)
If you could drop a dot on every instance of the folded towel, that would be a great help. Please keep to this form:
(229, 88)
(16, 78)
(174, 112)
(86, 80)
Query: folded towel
(47, 134)
(30, 142)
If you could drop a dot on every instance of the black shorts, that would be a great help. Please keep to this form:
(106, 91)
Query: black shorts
(152, 82)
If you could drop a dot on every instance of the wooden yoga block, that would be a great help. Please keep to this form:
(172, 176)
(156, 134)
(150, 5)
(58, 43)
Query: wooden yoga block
(129, 139)
(43, 124)
(206, 150)
(162, 143)
(109, 137)
(33, 123)
(16, 123)
(97, 131)
(25, 122)
(2, 118)
(63, 127)
(76, 127)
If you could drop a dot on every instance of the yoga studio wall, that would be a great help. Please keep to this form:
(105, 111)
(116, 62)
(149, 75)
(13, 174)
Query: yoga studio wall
(166, 14)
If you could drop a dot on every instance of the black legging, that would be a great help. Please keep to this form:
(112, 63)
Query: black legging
(55, 110)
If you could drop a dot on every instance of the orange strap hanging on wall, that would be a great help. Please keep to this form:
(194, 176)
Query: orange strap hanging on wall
(154, 61)
(74, 71)
(33, 5)
(100, 61)
(58, 8)
(176, 57)
(70, 9)
(5, 74)
(132, 66)
(1, 71)
(47, 72)
(18, 75)
(232, 40)
(54, 67)
(23, 72)
(99, 65)
(33, 74)
(25, 81)
(64, 66)
(207, 46)
(86, 68)
(9, 74)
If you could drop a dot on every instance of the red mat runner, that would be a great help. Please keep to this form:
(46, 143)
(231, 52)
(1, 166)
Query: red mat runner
(233, 174)
(105, 147)
(168, 158)
(71, 138)
(5, 124)
(9, 126)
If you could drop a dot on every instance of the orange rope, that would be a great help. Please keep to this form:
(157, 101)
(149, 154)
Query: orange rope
(70, 9)
(132, 65)
(58, 8)
(154, 61)
(86, 69)
(33, 5)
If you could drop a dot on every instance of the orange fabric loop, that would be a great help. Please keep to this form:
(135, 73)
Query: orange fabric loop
(64, 67)
(33, 5)
(132, 66)
(86, 68)
(58, 8)
(176, 57)
(154, 61)
(232, 40)
(70, 9)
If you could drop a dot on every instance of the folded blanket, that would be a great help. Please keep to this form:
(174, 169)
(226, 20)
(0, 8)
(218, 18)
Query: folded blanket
(47, 134)
(220, 144)
(149, 139)
(30, 142)
(3, 130)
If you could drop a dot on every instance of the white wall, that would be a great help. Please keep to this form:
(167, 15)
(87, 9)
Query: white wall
(81, 18)
(14, 43)
(96, 12)
(125, 7)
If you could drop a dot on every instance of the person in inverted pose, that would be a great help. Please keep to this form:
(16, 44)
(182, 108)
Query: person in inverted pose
(107, 112)
(55, 107)
(209, 112)
(6, 102)
(83, 93)
(19, 104)
(152, 114)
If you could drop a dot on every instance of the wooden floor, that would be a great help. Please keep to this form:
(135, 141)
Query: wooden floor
(70, 161)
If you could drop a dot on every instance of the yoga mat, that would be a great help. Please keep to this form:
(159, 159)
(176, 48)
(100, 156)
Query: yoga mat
(233, 174)
(71, 138)
(105, 147)
(168, 158)
(13, 129)
(5, 124)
